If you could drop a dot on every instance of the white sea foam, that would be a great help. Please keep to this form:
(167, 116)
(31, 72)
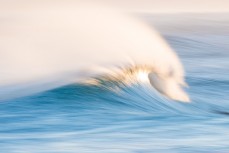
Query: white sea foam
(46, 42)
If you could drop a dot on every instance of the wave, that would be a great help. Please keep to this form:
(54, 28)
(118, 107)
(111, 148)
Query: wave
(46, 46)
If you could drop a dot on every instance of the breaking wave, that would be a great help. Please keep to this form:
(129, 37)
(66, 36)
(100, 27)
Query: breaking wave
(46, 46)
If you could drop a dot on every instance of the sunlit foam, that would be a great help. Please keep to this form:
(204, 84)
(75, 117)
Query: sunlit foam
(142, 76)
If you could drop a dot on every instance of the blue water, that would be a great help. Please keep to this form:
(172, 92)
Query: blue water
(114, 118)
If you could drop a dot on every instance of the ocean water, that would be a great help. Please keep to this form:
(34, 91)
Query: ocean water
(117, 118)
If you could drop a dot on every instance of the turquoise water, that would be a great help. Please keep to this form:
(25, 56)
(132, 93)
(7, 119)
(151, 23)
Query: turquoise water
(83, 118)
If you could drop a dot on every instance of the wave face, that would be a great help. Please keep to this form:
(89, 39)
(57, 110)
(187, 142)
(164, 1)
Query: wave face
(46, 45)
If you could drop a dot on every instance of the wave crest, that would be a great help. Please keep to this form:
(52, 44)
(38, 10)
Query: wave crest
(73, 41)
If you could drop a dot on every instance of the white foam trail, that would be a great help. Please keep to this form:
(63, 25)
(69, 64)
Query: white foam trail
(46, 40)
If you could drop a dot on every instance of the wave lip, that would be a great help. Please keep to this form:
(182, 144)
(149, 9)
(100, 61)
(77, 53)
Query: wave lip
(168, 86)
(165, 85)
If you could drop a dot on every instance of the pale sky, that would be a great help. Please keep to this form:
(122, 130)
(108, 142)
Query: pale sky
(171, 6)
(139, 6)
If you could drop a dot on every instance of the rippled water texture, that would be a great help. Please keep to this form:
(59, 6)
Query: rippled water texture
(112, 118)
